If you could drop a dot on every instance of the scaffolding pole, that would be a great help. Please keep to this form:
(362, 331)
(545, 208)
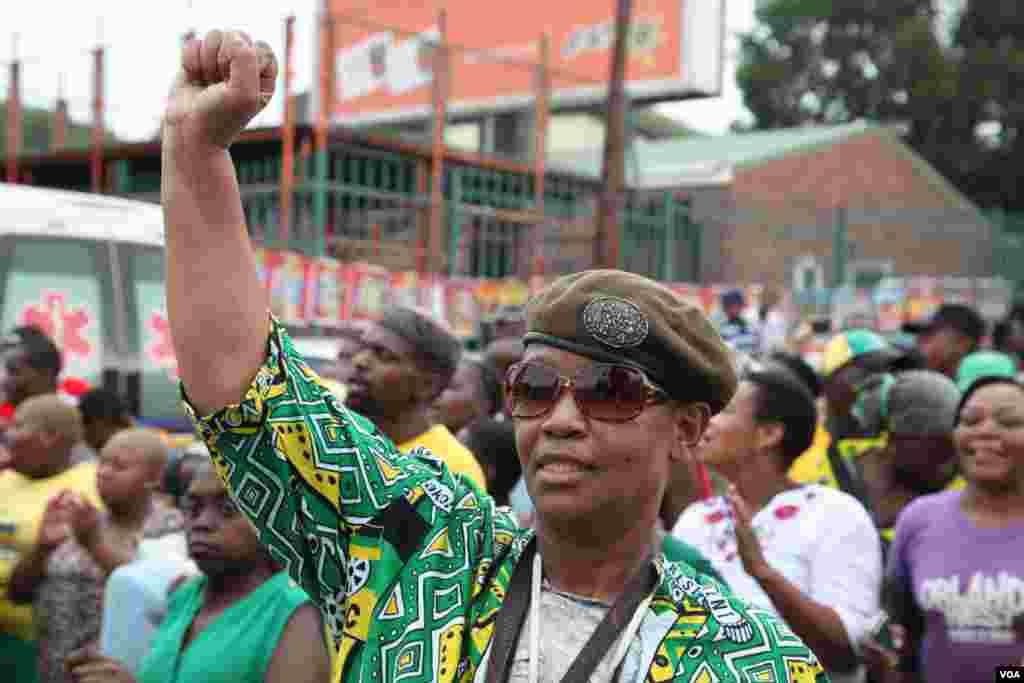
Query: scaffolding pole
(96, 157)
(542, 108)
(613, 172)
(440, 93)
(58, 131)
(287, 135)
(320, 154)
(13, 120)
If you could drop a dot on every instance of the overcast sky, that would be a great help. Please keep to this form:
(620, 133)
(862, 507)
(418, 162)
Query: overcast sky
(54, 38)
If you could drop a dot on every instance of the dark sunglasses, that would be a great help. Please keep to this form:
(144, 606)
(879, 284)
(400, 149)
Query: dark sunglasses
(606, 392)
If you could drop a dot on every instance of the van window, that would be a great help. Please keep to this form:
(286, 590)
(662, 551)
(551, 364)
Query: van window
(57, 284)
(149, 336)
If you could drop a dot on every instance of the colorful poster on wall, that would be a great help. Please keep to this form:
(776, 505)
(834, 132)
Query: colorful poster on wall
(274, 279)
(513, 292)
(958, 290)
(461, 306)
(432, 296)
(405, 289)
(368, 290)
(261, 265)
(711, 298)
(325, 302)
(890, 298)
(296, 279)
(923, 297)
(487, 296)
(752, 300)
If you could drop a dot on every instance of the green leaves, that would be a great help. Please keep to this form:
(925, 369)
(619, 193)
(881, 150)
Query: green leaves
(835, 61)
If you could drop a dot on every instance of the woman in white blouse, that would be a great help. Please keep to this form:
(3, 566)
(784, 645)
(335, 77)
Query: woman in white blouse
(809, 553)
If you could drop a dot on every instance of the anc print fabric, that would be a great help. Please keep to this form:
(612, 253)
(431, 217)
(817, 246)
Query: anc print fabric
(410, 565)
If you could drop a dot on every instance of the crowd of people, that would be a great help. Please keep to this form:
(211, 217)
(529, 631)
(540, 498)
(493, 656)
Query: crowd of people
(615, 488)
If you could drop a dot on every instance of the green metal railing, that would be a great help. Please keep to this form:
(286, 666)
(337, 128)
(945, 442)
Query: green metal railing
(1008, 246)
(365, 194)
(659, 239)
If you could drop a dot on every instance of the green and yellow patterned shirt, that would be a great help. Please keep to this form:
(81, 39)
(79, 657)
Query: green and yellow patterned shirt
(410, 565)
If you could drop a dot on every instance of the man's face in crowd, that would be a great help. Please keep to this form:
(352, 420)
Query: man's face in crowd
(20, 379)
(922, 460)
(943, 348)
(580, 469)
(501, 354)
(343, 364)
(386, 380)
(461, 402)
(33, 446)
(26, 441)
(841, 388)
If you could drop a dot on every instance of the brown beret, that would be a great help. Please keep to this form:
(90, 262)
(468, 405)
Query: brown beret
(618, 317)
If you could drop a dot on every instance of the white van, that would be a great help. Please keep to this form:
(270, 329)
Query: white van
(89, 270)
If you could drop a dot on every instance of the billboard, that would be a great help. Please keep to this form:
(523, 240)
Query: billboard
(383, 57)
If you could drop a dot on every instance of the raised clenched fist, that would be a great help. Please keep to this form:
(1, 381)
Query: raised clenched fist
(224, 81)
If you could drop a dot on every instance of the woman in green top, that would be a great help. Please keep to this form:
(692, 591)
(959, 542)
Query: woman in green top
(242, 621)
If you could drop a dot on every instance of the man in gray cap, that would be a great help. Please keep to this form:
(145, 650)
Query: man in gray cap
(417, 573)
(915, 410)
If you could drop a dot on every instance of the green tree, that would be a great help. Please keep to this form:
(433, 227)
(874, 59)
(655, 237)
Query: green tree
(989, 43)
(834, 61)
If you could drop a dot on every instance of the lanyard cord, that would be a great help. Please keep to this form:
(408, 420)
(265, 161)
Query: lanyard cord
(535, 620)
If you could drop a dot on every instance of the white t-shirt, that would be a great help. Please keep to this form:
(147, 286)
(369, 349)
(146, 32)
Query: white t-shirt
(821, 540)
(567, 623)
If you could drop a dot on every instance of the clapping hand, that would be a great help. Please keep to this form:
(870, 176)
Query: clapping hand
(747, 545)
(883, 662)
(54, 528)
(84, 519)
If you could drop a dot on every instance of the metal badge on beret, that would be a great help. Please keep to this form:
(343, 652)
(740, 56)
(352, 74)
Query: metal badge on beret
(615, 322)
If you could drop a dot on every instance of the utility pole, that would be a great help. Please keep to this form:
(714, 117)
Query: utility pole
(98, 105)
(58, 132)
(613, 171)
(321, 131)
(541, 112)
(14, 114)
(287, 135)
(440, 97)
(96, 157)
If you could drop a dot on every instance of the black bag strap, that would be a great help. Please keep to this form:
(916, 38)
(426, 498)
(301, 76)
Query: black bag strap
(512, 615)
(846, 474)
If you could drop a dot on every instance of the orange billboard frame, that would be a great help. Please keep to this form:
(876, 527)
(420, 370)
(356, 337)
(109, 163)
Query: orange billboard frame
(383, 54)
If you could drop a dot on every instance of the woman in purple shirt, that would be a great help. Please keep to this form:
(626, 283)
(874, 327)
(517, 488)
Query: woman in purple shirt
(956, 568)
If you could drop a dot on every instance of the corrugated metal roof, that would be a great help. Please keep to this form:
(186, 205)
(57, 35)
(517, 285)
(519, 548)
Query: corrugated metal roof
(656, 163)
(26, 210)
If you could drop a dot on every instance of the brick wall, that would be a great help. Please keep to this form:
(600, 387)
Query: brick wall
(895, 209)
